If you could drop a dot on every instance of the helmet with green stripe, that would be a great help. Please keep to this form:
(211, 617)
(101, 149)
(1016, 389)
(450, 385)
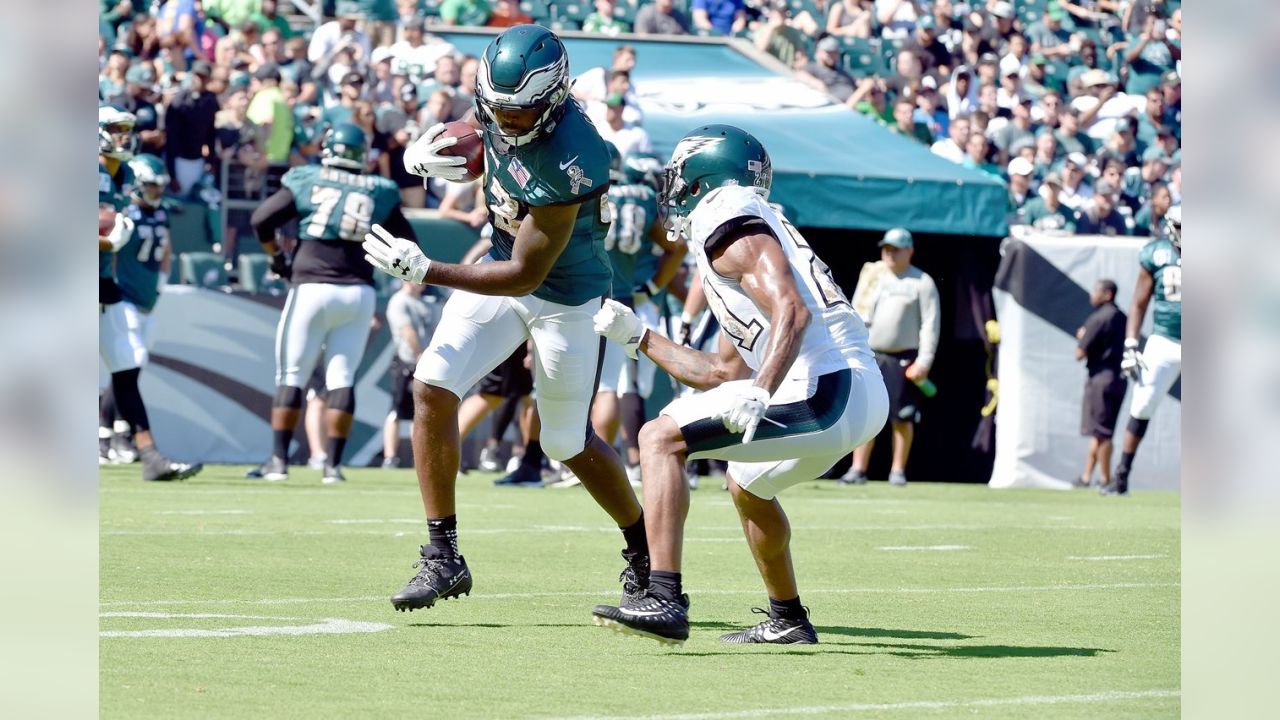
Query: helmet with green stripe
(710, 157)
(345, 146)
(522, 84)
(643, 168)
(115, 133)
(151, 179)
(616, 174)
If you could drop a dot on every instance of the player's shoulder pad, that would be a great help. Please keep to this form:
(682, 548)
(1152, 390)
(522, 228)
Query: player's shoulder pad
(726, 209)
(298, 177)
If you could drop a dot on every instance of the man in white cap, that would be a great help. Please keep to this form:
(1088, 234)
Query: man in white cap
(1103, 105)
(1020, 171)
(1076, 191)
(899, 304)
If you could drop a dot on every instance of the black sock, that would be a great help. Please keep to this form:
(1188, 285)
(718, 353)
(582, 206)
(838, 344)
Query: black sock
(665, 585)
(443, 534)
(532, 455)
(280, 440)
(336, 446)
(637, 541)
(789, 609)
(1126, 459)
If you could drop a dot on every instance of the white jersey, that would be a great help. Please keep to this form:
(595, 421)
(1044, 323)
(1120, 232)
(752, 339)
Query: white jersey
(835, 338)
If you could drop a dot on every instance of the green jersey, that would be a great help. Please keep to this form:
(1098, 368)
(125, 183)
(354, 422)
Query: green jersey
(570, 166)
(633, 208)
(113, 190)
(138, 262)
(335, 209)
(1164, 262)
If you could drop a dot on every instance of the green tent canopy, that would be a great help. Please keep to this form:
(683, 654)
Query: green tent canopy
(833, 168)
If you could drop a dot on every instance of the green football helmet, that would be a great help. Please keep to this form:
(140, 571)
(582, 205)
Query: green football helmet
(115, 133)
(616, 175)
(710, 157)
(522, 84)
(643, 168)
(1173, 225)
(152, 179)
(345, 146)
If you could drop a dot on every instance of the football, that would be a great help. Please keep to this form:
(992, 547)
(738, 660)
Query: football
(469, 146)
(106, 221)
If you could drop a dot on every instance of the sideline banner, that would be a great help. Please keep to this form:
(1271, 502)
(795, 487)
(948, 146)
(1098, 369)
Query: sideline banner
(1041, 298)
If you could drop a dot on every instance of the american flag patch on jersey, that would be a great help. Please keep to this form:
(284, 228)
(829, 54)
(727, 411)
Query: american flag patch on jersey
(518, 173)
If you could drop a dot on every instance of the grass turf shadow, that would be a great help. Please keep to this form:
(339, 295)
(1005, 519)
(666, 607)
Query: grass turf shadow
(850, 631)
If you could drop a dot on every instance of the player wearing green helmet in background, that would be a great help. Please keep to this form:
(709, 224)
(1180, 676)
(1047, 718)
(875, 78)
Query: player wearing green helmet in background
(546, 185)
(121, 329)
(793, 355)
(331, 302)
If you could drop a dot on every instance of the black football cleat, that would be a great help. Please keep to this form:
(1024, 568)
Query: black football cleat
(778, 631)
(522, 476)
(333, 475)
(273, 470)
(635, 577)
(647, 616)
(1119, 484)
(441, 577)
(158, 468)
(123, 451)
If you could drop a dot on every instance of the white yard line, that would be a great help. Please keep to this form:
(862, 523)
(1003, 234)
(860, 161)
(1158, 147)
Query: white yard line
(1025, 700)
(934, 548)
(203, 512)
(1114, 557)
(613, 591)
(578, 528)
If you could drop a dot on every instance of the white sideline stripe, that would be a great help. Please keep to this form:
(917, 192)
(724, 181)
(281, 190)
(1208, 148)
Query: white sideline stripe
(926, 547)
(1102, 697)
(192, 615)
(576, 528)
(1114, 557)
(204, 512)
(606, 593)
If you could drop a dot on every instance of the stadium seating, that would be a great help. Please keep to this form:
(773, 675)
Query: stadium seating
(253, 275)
(863, 57)
(539, 10)
(202, 269)
(575, 10)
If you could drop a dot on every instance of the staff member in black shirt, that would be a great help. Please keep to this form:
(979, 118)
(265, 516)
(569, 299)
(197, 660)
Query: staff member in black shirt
(189, 122)
(1101, 345)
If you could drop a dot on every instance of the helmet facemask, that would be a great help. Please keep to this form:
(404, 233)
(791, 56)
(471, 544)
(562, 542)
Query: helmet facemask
(540, 98)
(116, 139)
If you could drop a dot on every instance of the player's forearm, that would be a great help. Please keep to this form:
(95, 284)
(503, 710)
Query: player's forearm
(695, 368)
(788, 322)
(505, 278)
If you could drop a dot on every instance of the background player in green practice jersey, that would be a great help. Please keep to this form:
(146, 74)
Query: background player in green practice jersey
(543, 279)
(1159, 365)
(331, 301)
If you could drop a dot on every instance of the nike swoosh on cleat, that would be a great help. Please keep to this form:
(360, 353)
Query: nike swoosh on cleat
(565, 165)
(640, 613)
(772, 637)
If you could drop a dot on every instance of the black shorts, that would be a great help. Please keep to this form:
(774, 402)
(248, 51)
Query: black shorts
(401, 375)
(1103, 394)
(511, 379)
(904, 396)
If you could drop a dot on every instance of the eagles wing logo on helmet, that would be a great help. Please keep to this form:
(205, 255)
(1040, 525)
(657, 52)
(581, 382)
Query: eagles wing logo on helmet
(690, 146)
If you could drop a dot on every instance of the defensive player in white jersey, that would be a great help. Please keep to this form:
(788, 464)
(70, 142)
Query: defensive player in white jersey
(793, 384)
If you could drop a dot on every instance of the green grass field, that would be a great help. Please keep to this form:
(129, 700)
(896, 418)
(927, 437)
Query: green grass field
(931, 601)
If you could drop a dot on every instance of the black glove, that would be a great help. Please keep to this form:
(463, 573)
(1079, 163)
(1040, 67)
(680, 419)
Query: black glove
(281, 265)
(644, 293)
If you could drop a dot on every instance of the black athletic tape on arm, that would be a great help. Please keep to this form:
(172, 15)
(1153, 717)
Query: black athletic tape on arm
(288, 396)
(343, 400)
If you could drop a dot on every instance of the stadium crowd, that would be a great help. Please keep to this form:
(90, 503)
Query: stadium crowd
(1075, 105)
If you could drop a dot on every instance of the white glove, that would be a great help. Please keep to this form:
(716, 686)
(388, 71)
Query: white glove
(423, 156)
(744, 411)
(120, 232)
(1132, 364)
(618, 323)
(395, 256)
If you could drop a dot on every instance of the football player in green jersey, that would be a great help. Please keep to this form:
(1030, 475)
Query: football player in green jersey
(1158, 365)
(122, 351)
(331, 301)
(544, 278)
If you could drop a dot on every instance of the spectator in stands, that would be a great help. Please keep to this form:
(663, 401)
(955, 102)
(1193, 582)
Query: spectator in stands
(268, 18)
(954, 146)
(340, 34)
(415, 56)
(270, 111)
(467, 71)
(851, 18)
(978, 156)
(1149, 55)
(1045, 211)
(189, 125)
(1100, 343)
(1018, 129)
(1172, 87)
(962, 93)
(1138, 181)
(232, 13)
(1102, 106)
(777, 36)
(928, 111)
(1069, 136)
(143, 41)
(904, 122)
(1100, 217)
(112, 81)
(826, 74)
(141, 101)
(351, 89)
(383, 82)
(296, 68)
(908, 69)
(1046, 154)
(870, 99)
(1086, 59)
(661, 18)
(507, 13)
(627, 137)
(467, 13)
(364, 117)
(935, 56)
(181, 20)
(1037, 83)
(989, 104)
(901, 308)
(988, 69)
(1152, 120)
(1076, 191)
(973, 46)
(1048, 36)
(1020, 172)
(719, 17)
(603, 22)
(115, 12)
(897, 18)
(411, 321)
(1002, 23)
(402, 124)
(1048, 110)
(269, 48)
(465, 203)
(438, 109)
(1010, 94)
(1149, 220)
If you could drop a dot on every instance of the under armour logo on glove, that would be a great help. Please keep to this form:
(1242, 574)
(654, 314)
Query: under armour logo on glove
(423, 156)
(395, 256)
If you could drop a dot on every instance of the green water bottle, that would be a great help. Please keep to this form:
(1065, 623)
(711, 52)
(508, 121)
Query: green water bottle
(927, 388)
